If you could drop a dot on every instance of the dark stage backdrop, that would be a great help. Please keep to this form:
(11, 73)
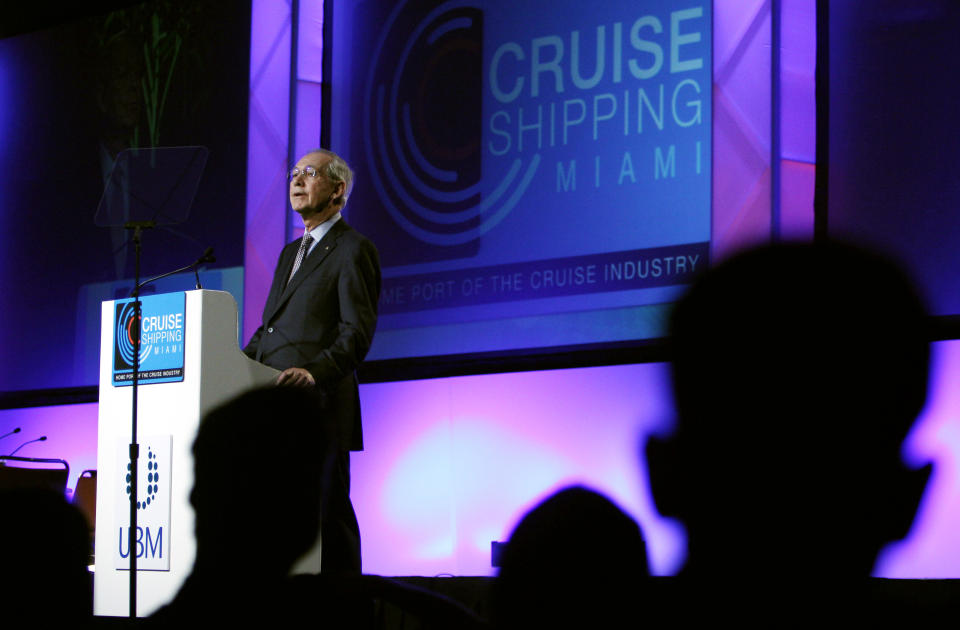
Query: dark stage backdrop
(535, 175)
(73, 96)
(894, 180)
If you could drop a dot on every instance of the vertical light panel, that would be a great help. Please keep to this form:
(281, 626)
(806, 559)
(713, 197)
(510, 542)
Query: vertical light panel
(798, 117)
(741, 125)
(266, 154)
(7, 90)
(307, 112)
(8, 104)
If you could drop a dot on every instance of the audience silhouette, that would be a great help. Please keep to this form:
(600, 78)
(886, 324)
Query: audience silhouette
(798, 370)
(45, 549)
(576, 560)
(259, 465)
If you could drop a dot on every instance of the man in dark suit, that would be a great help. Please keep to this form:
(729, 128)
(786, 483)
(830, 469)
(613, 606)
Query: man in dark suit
(318, 324)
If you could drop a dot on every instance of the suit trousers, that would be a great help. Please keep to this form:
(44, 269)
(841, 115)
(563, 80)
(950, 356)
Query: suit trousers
(339, 530)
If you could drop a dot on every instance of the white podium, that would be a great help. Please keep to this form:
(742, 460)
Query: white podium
(214, 370)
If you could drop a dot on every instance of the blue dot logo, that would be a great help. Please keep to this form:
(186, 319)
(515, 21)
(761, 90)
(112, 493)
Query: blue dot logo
(152, 487)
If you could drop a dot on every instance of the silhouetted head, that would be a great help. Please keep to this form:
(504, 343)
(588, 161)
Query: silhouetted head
(259, 464)
(798, 370)
(575, 559)
(45, 544)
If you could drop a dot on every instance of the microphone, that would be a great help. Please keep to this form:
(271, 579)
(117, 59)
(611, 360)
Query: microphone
(17, 430)
(207, 257)
(42, 438)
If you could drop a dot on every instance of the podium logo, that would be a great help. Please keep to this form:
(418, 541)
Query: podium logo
(161, 324)
(152, 487)
(151, 544)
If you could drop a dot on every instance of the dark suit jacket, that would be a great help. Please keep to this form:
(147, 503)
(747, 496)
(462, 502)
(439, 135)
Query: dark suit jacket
(324, 321)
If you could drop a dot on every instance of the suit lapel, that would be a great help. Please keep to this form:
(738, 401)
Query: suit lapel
(309, 265)
(287, 255)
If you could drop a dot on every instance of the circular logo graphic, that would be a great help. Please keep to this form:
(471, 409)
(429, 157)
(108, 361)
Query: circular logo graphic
(423, 127)
(124, 336)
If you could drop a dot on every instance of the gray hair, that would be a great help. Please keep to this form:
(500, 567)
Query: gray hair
(337, 170)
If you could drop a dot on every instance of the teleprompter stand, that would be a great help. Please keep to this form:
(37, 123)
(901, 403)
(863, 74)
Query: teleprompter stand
(146, 188)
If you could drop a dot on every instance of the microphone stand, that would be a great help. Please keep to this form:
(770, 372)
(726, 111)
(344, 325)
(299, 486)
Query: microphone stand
(207, 257)
(42, 438)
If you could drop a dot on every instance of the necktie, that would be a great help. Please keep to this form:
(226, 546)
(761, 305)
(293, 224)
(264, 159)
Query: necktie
(301, 254)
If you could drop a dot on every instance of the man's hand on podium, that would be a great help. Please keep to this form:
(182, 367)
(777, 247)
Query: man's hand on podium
(296, 377)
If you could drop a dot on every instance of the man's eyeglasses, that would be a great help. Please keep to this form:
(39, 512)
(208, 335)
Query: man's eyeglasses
(307, 171)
